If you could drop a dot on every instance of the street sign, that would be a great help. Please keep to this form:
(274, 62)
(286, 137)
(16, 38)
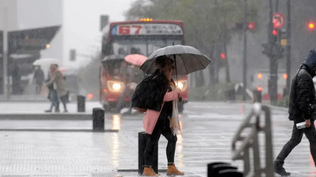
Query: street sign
(278, 20)
(283, 42)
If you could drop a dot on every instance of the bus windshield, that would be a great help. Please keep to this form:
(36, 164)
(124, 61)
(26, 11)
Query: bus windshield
(141, 46)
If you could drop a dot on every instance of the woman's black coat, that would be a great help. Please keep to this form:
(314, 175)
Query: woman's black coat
(150, 92)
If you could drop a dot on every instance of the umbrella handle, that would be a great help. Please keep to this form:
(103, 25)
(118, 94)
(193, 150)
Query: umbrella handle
(179, 98)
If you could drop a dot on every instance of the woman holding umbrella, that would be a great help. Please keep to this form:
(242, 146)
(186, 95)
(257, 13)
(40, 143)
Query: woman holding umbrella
(158, 122)
(155, 96)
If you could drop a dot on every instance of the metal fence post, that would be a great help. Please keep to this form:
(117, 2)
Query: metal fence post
(269, 142)
(98, 119)
(251, 141)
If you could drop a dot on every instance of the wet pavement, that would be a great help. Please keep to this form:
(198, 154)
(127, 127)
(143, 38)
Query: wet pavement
(208, 129)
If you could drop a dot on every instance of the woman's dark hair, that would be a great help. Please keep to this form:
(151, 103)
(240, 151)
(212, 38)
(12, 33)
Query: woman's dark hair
(159, 77)
(163, 61)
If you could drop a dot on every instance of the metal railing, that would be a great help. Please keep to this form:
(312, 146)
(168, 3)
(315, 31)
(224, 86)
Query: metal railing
(251, 141)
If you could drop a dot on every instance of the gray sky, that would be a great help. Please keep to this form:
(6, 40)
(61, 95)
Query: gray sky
(82, 20)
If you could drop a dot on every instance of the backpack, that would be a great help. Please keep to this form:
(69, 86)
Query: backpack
(149, 94)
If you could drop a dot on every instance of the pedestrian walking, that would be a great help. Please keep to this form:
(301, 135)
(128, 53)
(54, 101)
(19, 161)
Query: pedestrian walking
(39, 79)
(52, 95)
(156, 93)
(301, 109)
(59, 82)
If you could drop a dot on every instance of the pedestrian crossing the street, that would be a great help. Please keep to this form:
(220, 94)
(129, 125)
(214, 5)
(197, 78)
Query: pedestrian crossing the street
(207, 137)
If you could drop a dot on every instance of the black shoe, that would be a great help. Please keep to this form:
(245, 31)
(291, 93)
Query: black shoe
(48, 110)
(278, 169)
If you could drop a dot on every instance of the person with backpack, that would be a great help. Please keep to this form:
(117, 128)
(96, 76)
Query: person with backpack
(301, 110)
(155, 96)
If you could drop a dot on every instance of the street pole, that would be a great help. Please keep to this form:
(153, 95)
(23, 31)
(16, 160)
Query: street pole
(6, 79)
(288, 47)
(273, 92)
(216, 53)
(245, 51)
(225, 51)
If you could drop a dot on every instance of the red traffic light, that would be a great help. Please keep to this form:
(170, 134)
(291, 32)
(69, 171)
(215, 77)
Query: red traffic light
(223, 56)
(311, 26)
(251, 25)
(275, 32)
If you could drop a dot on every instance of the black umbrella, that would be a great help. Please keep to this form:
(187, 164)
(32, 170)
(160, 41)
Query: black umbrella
(187, 59)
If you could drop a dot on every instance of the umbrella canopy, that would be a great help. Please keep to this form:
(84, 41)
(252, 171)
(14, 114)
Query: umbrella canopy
(135, 59)
(46, 61)
(113, 57)
(187, 59)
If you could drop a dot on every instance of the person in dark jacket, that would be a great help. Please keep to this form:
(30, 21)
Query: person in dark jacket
(152, 96)
(39, 79)
(302, 99)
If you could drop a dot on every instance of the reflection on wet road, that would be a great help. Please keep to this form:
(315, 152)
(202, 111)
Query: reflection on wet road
(207, 132)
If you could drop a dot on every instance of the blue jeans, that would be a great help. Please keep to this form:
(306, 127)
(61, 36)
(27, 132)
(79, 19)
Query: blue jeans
(53, 99)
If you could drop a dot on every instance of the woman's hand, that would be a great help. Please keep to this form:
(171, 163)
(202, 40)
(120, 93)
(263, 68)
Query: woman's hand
(172, 83)
(178, 90)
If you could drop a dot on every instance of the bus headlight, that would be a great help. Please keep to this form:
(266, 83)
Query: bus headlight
(182, 85)
(115, 86)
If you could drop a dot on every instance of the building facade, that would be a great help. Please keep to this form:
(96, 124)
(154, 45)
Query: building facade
(24, 15)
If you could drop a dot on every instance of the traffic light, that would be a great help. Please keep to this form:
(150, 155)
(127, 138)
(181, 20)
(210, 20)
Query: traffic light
(311, 26)
(250, 26)
(276, 51)
(266, 49)
(223, 56)
(275, 33)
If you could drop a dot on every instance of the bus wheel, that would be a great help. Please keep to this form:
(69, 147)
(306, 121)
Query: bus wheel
(112, 108)
(180, 107)
(106, 108)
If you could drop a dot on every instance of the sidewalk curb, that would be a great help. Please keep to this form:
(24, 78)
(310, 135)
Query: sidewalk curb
(46, 116)
(56, 130)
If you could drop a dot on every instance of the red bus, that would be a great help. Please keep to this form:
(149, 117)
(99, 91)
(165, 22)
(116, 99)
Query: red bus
(142, 37)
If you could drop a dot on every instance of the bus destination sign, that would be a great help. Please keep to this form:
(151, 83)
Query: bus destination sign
(146, 29)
